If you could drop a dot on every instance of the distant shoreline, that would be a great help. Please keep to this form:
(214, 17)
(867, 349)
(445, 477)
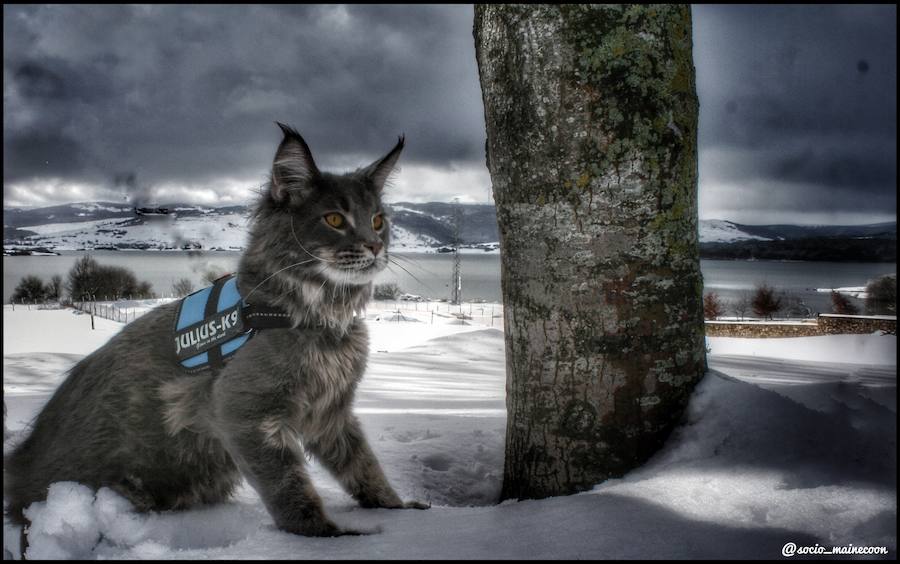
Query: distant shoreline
(830, 257)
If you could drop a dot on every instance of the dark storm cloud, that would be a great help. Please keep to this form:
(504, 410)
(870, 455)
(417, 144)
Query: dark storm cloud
(803, 96)
(190, 92)
(798, 103)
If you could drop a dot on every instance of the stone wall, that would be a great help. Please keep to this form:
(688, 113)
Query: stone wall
(761, 329)
(825, 324)
(832, 324)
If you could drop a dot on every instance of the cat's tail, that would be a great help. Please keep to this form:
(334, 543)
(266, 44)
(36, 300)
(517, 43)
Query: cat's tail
(16, 487)
(14, 492)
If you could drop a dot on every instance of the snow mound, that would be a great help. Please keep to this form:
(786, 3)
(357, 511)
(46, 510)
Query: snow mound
(77, 523)
(873, 349)
(752, 457)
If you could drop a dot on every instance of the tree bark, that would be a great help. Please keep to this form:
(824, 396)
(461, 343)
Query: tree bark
(591, 116)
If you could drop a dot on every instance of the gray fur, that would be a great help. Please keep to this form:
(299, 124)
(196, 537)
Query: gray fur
(127, 417)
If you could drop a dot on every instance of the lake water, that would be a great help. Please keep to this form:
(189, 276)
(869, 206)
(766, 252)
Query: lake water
(429, 274)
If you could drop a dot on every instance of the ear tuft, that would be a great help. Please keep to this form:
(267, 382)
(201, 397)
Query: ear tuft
(379, 171)
(293, 170)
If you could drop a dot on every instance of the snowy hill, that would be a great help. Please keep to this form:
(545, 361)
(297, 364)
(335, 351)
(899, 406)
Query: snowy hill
(105, 225)
(102, 225)
(720, 231)
(414, 228)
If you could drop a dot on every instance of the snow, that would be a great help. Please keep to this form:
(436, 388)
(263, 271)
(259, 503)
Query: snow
(841, 349)
(228, 230)
(70, 228)
(97, 207)
(405, 241)
(53, 330)
(721, 231)
(785, 440)
(858, 292)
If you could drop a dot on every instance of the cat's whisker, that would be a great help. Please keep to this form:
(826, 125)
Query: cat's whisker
(412, 262)
(273, 274)
(414, 277)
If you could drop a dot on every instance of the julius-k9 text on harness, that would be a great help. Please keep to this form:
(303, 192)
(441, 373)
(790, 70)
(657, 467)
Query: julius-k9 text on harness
(214, 323)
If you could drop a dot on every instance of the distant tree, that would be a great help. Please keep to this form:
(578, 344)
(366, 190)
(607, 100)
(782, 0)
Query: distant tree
(712, 306)
(88, 279)
(388, 291)
(30, 289)
(793, 306)
(213, 273)
(842, 304)
(881, 295)
(83, 279)
(182, 287)
(118, 282)
(55, 287)
(742, 305)
(765, 303)
(144, 290)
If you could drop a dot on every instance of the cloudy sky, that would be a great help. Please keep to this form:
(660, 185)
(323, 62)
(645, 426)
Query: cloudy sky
(177, 103)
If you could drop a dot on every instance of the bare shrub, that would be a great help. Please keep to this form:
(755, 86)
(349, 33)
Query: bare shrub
(388, 291)
(881, 295)
(182, 287)
(842, 304)
(30, 289)
(765, 302)
(712, 306)
(742, 306)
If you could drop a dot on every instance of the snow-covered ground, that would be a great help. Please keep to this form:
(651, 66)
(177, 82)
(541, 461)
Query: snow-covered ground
(784, 441)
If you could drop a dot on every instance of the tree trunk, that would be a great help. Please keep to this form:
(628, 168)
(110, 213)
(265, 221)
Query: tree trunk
(591, 116)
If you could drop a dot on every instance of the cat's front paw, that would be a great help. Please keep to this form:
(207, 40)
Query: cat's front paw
(326, 529)
(415, 505)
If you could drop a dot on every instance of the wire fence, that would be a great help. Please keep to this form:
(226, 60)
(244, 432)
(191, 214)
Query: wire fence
(111, 310)
(471, 313)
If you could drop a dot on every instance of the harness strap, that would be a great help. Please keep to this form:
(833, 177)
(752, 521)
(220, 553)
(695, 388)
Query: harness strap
(215, 353)
(265, 317)
(213, 323)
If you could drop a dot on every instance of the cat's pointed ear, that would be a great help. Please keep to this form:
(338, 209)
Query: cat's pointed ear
(293, 170)
(379, 171)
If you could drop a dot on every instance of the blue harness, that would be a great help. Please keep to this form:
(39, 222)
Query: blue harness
(212, 324)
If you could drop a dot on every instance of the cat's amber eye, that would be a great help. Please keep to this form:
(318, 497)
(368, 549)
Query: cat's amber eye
(378, 222)
(335, 220)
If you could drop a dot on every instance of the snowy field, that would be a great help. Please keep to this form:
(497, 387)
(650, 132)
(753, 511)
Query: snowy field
(784, 441)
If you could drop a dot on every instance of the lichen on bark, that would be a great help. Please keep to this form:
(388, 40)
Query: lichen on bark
(591, 116)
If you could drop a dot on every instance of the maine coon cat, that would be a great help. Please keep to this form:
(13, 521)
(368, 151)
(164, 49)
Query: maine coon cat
(128, 417)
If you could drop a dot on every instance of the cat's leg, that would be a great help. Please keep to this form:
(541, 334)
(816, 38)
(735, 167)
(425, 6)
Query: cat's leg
(351, 461)
(277, 471)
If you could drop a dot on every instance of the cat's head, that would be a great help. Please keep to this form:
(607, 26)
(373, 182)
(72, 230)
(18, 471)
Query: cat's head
(332, 227)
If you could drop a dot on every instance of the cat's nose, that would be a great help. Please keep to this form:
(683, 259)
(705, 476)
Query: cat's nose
(374, 246)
